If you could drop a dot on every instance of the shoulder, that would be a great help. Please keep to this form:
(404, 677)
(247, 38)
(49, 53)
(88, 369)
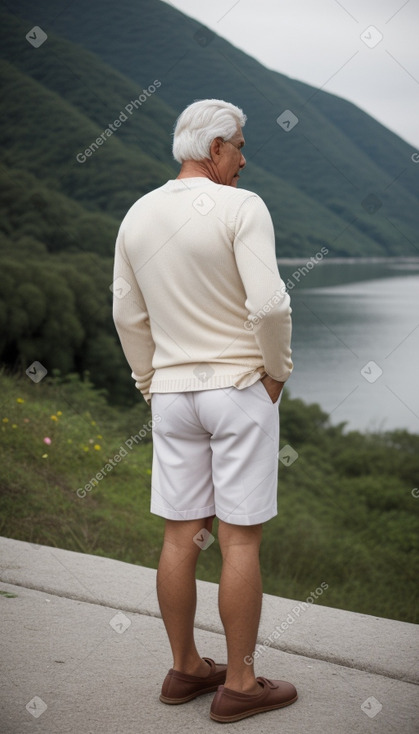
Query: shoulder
(249, 205)
(142, 203)
(236, 198)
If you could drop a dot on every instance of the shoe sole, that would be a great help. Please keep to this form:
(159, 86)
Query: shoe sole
(250, 712)
(174, 701)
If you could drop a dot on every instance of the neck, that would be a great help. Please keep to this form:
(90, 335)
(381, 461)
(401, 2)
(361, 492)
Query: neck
(199, 169)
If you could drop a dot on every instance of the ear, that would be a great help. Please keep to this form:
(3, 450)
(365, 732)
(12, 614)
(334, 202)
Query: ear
(215, 149)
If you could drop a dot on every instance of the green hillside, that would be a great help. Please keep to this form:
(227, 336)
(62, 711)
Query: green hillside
(64, 195)
(346, 515)
(110, 182)
(313, 178)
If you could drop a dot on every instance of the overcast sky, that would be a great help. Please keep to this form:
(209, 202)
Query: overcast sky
(319, 42)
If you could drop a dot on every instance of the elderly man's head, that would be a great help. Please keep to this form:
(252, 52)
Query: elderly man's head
(207, 141)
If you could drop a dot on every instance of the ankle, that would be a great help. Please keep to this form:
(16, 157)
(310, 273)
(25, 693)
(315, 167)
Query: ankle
(243, 685)
(198, 666)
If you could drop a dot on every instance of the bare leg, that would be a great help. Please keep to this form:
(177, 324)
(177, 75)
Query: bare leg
(240, 600)
(176, 591)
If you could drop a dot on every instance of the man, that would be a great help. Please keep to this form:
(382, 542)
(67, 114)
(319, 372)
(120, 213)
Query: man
(205, 325)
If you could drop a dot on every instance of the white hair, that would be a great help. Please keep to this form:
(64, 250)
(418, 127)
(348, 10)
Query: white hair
(201, 122)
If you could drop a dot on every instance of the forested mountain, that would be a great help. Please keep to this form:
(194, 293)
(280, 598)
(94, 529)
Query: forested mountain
(315, 178)
(121, 73)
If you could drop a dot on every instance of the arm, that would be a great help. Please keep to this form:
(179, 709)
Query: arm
(131, 320)
(267, 302)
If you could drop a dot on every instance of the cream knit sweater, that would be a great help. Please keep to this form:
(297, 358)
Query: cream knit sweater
(198, 300)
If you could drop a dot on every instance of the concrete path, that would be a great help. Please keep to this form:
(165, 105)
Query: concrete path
(84, 650)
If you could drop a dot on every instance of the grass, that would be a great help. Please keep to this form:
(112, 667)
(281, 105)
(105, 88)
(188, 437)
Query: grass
(346, 513)
(54, 441)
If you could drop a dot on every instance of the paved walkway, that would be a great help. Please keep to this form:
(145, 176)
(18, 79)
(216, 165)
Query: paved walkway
(84, 651)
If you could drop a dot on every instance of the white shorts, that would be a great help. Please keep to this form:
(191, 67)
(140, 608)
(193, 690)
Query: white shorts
(215, 453)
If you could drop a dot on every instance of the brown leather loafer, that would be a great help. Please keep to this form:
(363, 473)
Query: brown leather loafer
(180, 687)
(229, 705)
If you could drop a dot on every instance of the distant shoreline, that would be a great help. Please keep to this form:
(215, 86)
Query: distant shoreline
(348, 260)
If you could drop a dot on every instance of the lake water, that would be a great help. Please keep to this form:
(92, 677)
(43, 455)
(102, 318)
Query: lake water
(356, 341)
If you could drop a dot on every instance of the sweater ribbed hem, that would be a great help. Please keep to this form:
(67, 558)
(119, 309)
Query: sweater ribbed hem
(205, 379)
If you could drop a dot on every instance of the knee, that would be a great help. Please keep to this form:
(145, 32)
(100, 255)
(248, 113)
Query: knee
(182, 533)
(241, 537)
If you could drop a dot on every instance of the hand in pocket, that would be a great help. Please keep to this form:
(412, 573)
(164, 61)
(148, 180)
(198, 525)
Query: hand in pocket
(272, 387)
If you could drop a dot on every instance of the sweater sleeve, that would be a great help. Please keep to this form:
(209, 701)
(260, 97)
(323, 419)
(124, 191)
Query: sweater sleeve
(131, 320)
(267, 302)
